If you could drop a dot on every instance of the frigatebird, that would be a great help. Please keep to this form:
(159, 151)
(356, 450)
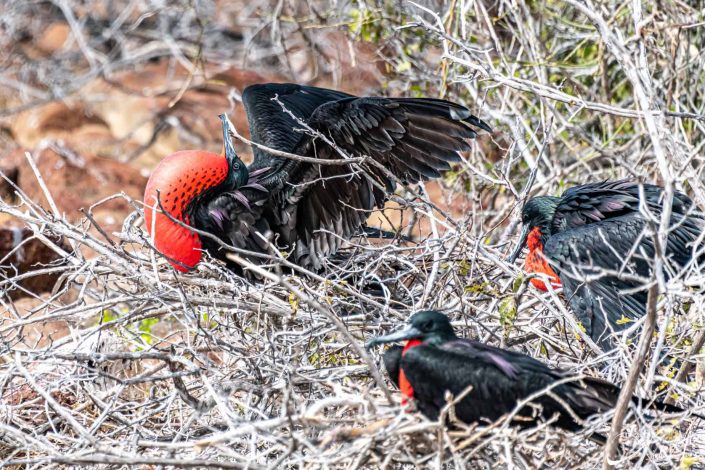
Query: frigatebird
(305, 208)
(593, 241)
(435, 361)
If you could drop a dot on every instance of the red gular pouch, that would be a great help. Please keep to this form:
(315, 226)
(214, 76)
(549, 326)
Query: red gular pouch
(407, 390)
(536, 262)
(179, 179)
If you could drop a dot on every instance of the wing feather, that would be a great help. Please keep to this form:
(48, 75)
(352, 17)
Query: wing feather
(495, 391)
(600, 300)
(415, 139)
(412, 138)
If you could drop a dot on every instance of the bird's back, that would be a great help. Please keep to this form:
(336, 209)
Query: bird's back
(602, 250)
(498, 380)
(593, 203)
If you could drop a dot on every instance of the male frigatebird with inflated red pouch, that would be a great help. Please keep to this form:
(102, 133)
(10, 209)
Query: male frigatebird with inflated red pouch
(296, 204)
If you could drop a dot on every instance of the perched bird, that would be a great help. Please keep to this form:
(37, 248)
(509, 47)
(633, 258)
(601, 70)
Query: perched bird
(435, 361)
(593, 242)
(304, 208)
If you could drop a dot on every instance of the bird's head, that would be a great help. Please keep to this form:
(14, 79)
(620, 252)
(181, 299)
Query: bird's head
(428, 326)
(180, 182)
(538, 214)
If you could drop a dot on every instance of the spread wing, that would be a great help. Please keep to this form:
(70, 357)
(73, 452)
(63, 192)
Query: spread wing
(320, 206)
(271, 126)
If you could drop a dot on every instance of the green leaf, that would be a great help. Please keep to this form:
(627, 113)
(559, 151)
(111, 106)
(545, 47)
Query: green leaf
(108, 316)
(145, 327)
(543, 349)
(518, 281)
(507, 313)
(294, 302)
(404, 66)
(688, 461)
(464, 267)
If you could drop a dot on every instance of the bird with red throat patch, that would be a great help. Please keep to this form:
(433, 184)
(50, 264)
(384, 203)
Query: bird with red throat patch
(594, 242)
(297, 205)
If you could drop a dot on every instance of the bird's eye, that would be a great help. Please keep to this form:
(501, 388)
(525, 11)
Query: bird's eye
(427, 325)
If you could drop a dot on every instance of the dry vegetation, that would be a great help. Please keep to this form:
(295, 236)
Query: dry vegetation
(125, 362)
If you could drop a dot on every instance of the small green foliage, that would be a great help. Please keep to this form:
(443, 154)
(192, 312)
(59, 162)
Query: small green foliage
(485, 288)
(294, 302)
(543, 349)
(624, 320)
(403, 66)
(464, 267)
(206, 322)
(518, 281)
(582, 328)
(145, 328)
(669, 433)
(338, 358)
(507, 313)
(417, 91)
(688, 461)
(366, 26)
(107, 316)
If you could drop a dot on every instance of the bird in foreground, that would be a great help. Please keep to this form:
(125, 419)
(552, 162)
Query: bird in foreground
(592, 241)
(435, 361)
(305, 208)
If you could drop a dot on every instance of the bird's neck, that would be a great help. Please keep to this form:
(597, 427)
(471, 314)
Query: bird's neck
(439, 338)
(536, 261)
(407, 390)
(536, 239)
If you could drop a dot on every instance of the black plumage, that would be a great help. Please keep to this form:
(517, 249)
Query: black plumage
(308, 209)
(595, 239)
(499, 379)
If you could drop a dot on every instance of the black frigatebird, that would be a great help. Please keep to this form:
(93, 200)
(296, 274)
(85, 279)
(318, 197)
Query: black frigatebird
(435, 361)
(307, 209)
(593, 242)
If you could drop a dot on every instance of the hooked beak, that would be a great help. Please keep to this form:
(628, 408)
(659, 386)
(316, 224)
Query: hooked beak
(235, 165)
(227, 141)
(520, 244)
(409, 332)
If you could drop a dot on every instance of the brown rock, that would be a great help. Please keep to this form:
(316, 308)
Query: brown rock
(78, 181)
(54, 37)
(150, 117)
(68, 121)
